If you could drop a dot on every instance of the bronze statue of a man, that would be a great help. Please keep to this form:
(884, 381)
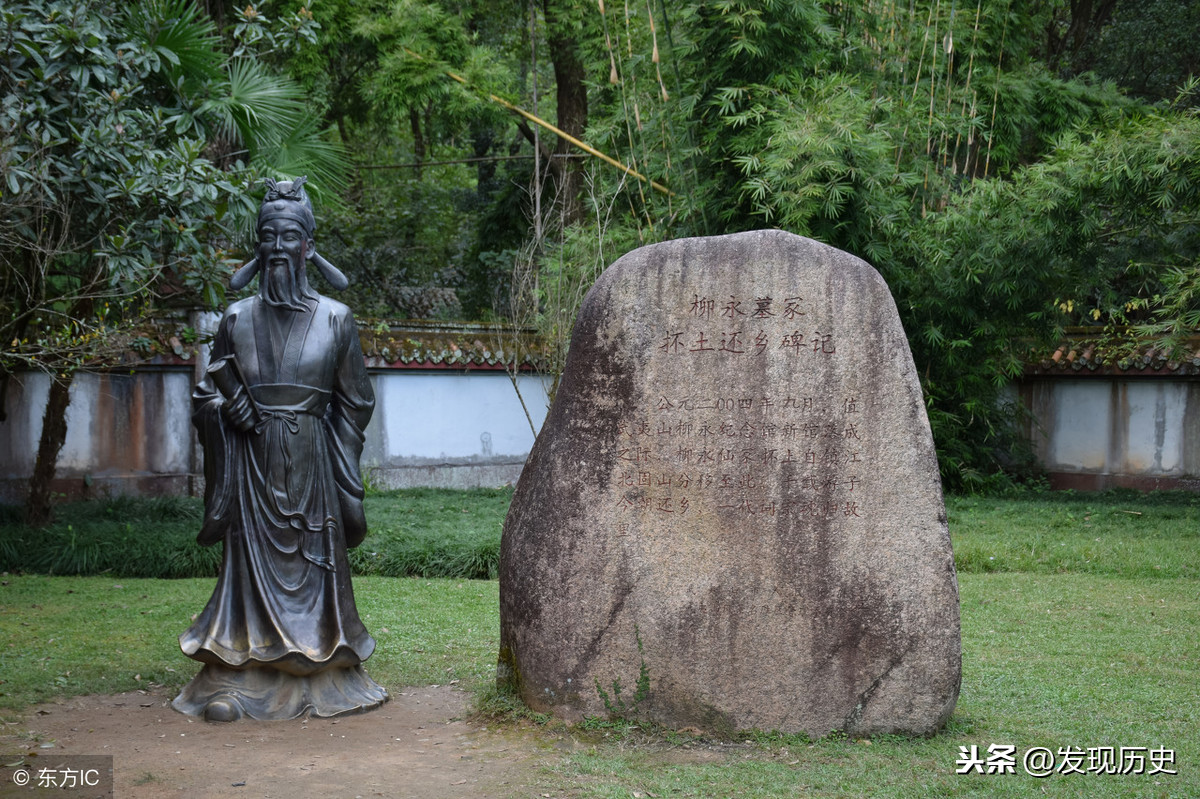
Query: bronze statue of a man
(281, 413)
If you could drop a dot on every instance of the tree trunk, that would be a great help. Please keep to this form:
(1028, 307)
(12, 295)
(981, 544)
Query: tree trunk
(1085, 20)
(39, 508)
(414, 123)
(569, 74)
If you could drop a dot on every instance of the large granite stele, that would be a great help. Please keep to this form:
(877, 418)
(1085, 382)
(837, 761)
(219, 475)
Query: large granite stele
(732, 518)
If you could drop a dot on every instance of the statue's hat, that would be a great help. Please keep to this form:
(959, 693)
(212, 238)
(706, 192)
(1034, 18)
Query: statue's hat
(287, 199)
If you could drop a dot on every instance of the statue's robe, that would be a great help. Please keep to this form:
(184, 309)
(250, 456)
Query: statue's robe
(281, 633)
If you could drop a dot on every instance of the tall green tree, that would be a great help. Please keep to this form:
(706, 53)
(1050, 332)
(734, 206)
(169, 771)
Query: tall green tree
(110, 205)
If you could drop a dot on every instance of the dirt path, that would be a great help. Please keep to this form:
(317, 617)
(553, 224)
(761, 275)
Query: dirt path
(417, 745)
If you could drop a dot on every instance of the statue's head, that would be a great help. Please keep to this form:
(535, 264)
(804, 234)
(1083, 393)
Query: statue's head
(285, 244)
(285, 233)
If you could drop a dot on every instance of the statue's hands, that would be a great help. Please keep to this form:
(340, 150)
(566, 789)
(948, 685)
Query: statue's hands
(238, 411)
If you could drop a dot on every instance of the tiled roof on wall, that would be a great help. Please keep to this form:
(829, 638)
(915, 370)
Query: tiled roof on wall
(419, 344)
(1086, 356)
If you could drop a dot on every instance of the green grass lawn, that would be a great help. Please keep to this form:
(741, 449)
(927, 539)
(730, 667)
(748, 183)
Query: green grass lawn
(1119, 533)
(1081, 630)
(61, 636)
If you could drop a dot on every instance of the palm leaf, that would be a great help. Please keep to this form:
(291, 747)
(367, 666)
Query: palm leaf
(303, 150)
(253, 105)
(185, 39)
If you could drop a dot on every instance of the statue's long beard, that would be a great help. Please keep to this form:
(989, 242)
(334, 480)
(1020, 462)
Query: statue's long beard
(280, 287)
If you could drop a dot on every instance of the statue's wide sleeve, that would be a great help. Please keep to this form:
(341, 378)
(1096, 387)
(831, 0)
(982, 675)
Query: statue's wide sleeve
(350, 410)
(218, 440)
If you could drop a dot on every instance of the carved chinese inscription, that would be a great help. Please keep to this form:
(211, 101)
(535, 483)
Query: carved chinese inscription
(725, 447)
(737, 331)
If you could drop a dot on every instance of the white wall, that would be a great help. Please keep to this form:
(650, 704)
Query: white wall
(1098, 432)
(125, 432)
(458, 429)
(439, 415)
(132, 433)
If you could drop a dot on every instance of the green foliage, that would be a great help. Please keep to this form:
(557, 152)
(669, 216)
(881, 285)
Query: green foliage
(822, 163)
(1097, 229)
(433, 533)
(408, 236)
(331, 73)
(105, 190)
(616, 706)
(127, 142)
(999, 200)
(112, 116)
(257, 36)
(402, 244)
(1148, 47)
(982, 157)
(548, 287)
(418, 43)
(124, 537)
(735, 59)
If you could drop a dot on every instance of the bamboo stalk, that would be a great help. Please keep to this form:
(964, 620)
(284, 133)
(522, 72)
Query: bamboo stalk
(587, 148)
(654, 57)
(932, 81)
(949, 45)
(631, 82)
(921, 59)
(536, 186)
(967, 90)
(987, 161)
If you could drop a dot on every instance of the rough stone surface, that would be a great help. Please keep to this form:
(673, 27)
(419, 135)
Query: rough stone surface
(734, 504)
